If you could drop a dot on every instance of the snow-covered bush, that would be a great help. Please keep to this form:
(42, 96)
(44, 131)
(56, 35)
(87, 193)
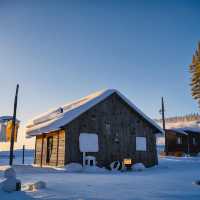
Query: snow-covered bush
(11, 185)
(10, 173)
(74, 167)
(138, 167)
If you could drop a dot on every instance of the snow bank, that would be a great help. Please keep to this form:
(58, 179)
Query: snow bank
(138, 167)
(94, 169)
(74, 167)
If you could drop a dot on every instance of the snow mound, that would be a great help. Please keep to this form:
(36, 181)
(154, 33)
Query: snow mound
(11, 185)
(138, 167)
(74, 167)
(94, 169)
(10, 173)
(34, 186)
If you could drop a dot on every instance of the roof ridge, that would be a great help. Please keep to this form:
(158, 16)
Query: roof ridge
(63, 115)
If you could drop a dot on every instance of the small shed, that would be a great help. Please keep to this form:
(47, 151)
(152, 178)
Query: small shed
(6, 128)
(185, 140)
(104, 125)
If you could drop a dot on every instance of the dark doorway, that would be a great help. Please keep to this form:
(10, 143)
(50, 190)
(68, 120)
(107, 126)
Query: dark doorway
(49, 148)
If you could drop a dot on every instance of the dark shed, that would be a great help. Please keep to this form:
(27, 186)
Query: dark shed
(185, 140)
(106, 124)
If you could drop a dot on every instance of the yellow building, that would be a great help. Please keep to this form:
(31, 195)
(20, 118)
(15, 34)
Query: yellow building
(6, 128)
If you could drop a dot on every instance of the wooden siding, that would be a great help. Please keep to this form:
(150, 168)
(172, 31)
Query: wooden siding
(58, 149)
(112, 119)
(173, 146)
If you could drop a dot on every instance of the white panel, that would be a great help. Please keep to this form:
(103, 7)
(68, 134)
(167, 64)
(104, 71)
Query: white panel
(141, 144)
(88, 142)
(2, 132)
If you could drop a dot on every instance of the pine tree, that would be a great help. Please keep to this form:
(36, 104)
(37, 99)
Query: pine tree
(195, 75)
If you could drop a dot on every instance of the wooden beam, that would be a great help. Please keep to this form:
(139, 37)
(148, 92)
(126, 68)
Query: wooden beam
(57, 154)
(35, 150)
(41, 158)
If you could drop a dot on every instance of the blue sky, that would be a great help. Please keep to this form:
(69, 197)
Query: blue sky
(62, 50)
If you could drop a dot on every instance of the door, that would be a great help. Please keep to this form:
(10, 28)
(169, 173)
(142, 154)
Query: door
(49, 148)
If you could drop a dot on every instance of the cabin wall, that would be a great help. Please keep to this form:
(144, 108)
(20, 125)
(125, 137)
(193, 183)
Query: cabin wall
(172, 144)
(57, 152)
(186, 146)
(194, 148)
(112, 120)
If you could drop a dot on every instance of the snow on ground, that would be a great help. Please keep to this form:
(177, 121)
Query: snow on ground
(171, 180)
(29, 155)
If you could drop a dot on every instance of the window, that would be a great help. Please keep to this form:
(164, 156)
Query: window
(93, 117)
(194, 142)
(91, 163)
(141, 144)
(116, 139)
(179, 140)
(107, 126)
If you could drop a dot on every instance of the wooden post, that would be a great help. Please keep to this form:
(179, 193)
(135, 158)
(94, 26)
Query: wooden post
(188, 146)
(41, 157)
(84, 154)
(163, 123)
(23, 153)
(12, 139)
(57, 153)
(35, 151)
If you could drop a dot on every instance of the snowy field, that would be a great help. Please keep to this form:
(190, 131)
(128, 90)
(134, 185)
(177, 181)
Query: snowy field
(171, 180)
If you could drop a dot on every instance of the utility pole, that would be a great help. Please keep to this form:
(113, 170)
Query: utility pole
(163, 122)
(12, 140)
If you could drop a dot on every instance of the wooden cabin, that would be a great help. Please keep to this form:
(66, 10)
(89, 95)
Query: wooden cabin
(183, 140)
(105, 125)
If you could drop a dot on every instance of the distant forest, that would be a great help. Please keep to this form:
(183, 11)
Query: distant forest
(184, 118)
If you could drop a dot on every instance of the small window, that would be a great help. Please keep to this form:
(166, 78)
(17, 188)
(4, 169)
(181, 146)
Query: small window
(108, 128)
(116, 139)
(179, 140)
(194, 142)
(141, 144)
(91, 163)
(93, 117)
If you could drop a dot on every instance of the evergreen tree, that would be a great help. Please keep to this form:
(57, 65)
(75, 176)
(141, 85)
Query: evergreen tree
(195, 75)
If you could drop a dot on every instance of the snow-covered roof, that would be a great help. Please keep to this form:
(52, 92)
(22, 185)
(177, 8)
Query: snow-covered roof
(61, 116)
(6, 118)
(186, 130)
(191, 129)
(178, 130)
